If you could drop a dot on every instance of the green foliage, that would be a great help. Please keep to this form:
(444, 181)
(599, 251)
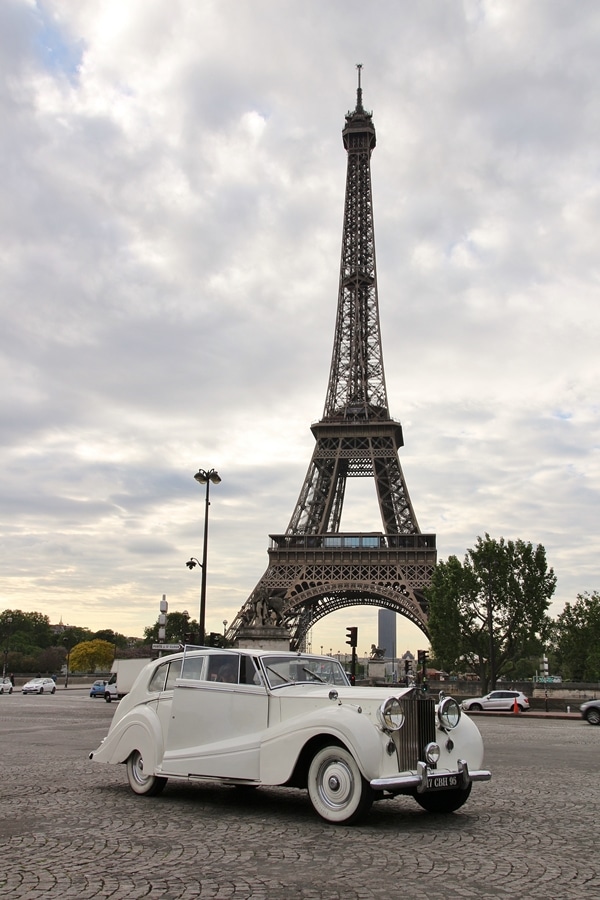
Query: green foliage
(177, 626)
(490, 611)
(27, 632)
(113, 637)
(71, 636)
(91, 655)
(576, 639)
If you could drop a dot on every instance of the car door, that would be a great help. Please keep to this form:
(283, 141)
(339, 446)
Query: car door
(160, 690)
(216, 726)
(494, 700)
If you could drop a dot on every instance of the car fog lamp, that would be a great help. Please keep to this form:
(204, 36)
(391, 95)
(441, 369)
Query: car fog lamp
(449, 713)
(432, 753)
(391, 715)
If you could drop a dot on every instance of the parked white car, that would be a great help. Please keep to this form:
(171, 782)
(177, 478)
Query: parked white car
(6, 686)
(499, 700)
(39, 686)
(254, 718)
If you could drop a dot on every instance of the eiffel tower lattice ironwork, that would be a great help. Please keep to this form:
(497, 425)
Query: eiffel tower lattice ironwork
(314, 569)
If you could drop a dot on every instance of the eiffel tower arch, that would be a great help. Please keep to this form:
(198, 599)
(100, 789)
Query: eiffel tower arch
(314, 569)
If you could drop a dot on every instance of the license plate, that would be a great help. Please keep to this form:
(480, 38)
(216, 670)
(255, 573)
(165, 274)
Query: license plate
(442, 782)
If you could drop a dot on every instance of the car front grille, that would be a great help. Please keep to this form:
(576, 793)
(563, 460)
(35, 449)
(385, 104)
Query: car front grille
(418, 729)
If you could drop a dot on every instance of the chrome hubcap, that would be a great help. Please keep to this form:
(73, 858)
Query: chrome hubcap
(336, 783)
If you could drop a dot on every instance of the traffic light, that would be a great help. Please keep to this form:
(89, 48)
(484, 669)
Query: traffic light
(215, 639)
(352, 636)
(422, 656)
(407, 666)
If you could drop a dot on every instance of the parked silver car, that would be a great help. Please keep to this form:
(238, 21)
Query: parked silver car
(497, 700)
(591, 711)
(39, 686)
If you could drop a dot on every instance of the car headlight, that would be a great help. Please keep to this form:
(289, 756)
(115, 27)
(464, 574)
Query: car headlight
(432, 753)
(449, 713)
(391, 715)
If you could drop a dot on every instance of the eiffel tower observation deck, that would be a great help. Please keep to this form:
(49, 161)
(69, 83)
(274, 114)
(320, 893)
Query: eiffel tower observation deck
(314, 569)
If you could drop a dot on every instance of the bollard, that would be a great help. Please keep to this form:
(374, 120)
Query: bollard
(568, 709)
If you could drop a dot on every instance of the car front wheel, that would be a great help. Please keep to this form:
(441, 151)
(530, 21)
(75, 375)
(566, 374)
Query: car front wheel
(41, 691)
(139, 782)
(593, 716)
(336, 787)
(476, 707)
(443, 801)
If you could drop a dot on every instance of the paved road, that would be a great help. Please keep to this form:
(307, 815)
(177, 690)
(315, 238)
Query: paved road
(71, 828)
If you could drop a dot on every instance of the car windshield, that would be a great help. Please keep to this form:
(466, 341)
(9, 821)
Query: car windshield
(282, 670)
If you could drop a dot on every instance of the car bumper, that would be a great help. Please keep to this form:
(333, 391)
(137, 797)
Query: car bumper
(424, 779)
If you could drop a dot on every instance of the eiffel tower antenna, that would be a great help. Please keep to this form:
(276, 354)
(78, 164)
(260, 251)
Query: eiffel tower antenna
(314, 568)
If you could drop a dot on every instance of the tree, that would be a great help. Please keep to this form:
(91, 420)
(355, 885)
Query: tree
(178, 625)
(91, 655)
(72, 635)
(113, 637)
(29, 631)
(576, 638)
(489, 612)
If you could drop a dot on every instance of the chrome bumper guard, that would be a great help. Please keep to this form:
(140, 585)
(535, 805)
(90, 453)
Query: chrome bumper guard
(420, 781)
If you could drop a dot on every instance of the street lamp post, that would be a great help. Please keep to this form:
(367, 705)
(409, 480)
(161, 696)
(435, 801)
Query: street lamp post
(8, 621)
(203, 477)
(69, 643)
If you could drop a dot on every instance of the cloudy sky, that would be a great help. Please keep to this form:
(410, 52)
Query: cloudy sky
(172, 194)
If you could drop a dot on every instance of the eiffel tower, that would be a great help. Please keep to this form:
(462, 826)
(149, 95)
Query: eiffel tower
(314, 569)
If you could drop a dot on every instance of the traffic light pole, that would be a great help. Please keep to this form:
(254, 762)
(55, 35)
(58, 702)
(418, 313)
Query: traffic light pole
(352, 639)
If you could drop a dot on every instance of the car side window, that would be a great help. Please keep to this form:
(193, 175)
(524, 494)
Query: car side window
(157, 682)
(172, 675)
(249, 674)
(193, 667)
(224, 668)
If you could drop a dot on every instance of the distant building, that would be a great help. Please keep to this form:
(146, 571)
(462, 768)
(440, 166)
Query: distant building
(386, 632)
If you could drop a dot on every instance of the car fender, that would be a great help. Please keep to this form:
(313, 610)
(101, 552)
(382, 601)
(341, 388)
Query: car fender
(139, 731)
(282, 744)
(471, 742)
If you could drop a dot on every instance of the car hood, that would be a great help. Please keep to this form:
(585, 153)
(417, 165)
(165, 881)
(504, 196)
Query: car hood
(346, 693)
(302, 699)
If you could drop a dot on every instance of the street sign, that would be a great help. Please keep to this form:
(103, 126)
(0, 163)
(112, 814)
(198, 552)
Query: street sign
(166, 646)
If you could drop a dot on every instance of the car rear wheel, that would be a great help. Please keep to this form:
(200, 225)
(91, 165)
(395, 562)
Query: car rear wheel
(53, 691)
(139, 782)
(336, 787)
(444, 801)
(593, 716)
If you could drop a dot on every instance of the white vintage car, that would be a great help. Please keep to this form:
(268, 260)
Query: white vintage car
(254, 717)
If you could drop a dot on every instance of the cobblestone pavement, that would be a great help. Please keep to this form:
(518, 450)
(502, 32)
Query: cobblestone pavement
(71, 828)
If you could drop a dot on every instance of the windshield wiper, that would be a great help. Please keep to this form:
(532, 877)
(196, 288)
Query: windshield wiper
(314, 675)
(279, 675)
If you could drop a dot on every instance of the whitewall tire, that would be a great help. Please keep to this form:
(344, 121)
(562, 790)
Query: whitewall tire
(336, 787)
(139, 781)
